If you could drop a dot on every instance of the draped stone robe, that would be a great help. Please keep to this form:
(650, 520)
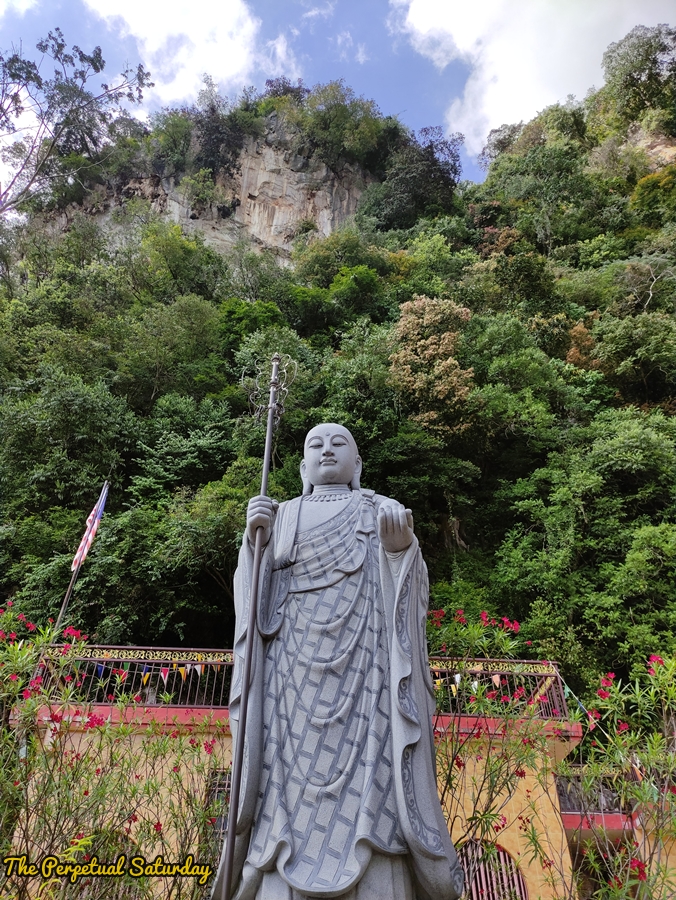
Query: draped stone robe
(339, 754)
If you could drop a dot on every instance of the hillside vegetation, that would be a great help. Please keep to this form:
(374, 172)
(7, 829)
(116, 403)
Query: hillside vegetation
(504, 353)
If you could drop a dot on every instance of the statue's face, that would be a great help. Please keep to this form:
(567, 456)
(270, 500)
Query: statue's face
(330, 455)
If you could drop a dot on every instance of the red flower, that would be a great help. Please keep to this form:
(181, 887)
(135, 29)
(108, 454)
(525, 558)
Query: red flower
(459, 762)
(651, 671)
(484, 617)
(529, 643)
(491, 695)
(26, 694)
(607, 680)
(13, 677)
(520, 773)
(672, 788)
(501, 824)
(12, 635)
(656, 659)
(638, 867)
(93, 721)
(158, 827)
(21, 617)
(603, 694)
(436, 615)
(622, 726)
(71, 632)
(460, 617)
(137, 698)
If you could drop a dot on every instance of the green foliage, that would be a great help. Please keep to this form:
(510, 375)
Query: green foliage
(172, 133)
(640, 73)
(654, 197)
(342, 127)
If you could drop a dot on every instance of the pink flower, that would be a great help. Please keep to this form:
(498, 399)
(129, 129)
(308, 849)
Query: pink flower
(651, 671)
(603, 694)
(21, 617)
(622, 726)
(26, 694)
(13, 677)
(491, 695)
(484, 617)
(460, 617)
(657, 660)
(10, 603)
(12, 635)
(529, 643)
(607, 680)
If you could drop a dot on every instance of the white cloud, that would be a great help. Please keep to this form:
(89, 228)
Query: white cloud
(521, 57)
(344, 43)
(19, 6)
(361, 55)
(319, 12)
(180, 41)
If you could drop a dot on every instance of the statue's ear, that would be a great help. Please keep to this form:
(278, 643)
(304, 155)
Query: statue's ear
(354, 484)
(307, 485)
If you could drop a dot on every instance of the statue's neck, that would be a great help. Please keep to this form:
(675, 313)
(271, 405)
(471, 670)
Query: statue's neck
(330, 488)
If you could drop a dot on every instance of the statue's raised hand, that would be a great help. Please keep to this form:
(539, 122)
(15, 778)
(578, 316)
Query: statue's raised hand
(395, 527)
(260, 513)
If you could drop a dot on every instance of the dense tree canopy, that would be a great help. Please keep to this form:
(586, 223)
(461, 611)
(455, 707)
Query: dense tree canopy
(505, 354)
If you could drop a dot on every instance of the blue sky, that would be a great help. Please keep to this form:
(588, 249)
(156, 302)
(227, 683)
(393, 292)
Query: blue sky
(466, 66)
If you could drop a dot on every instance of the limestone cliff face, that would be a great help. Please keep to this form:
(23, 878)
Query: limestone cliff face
(279, 191)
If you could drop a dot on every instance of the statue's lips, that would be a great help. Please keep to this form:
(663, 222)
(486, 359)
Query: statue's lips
(328, 462)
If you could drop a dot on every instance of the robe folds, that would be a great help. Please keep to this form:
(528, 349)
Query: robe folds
(339, 768)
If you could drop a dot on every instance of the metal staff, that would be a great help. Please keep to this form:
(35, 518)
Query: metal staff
(236, 780)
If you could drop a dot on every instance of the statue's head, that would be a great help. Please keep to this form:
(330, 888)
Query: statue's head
(330, 457)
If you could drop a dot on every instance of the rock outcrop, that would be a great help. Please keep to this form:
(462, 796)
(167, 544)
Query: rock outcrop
(279, 191)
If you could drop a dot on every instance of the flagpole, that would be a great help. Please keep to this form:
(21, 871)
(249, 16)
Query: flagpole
(238, 756)
(66, 599)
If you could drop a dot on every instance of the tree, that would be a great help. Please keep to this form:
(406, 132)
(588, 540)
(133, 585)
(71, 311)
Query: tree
(47, 124)
(421, 177)
(640, 73)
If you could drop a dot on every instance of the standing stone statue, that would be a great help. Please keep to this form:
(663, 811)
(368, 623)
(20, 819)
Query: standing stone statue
(339, 793)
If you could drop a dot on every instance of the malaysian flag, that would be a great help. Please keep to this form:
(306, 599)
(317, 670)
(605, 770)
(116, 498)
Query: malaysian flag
(91, 529)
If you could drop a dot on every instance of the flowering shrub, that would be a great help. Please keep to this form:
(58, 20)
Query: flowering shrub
(75, 785)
